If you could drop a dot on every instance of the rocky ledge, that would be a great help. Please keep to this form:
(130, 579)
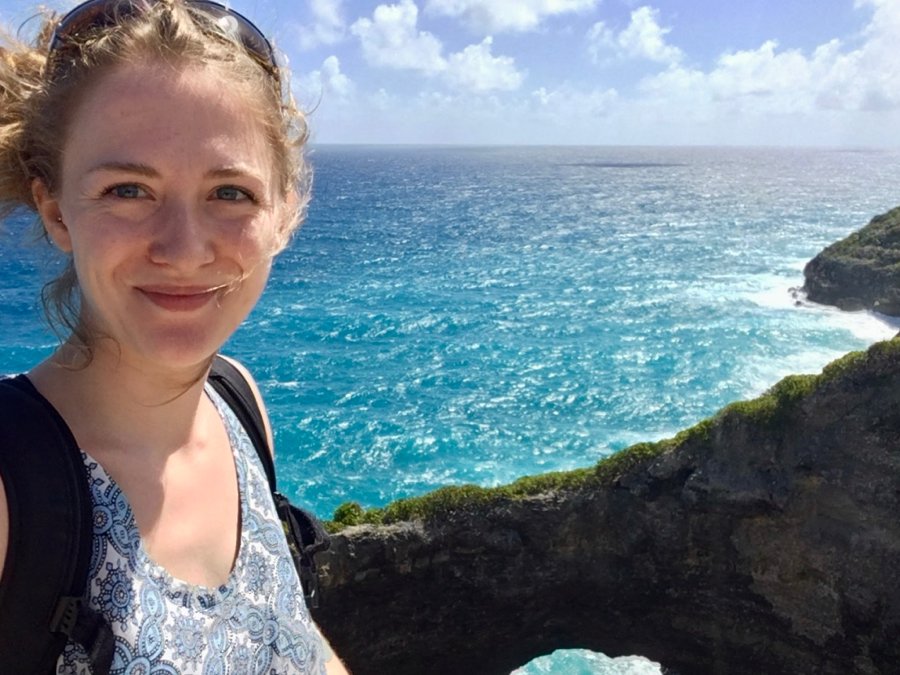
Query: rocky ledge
(861, 271)
(763, 540)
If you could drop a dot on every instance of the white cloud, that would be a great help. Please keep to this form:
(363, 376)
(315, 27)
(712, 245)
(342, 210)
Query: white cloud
(326, 25)
(644, 38)
(392, 39)
(326, 84)
(476, 69)
(869, 77)
(381, 100)
(566, 103)
(495, 16)
(840, 92)
(752, 82)
(601, 42)
(334, 80)
(769, 80)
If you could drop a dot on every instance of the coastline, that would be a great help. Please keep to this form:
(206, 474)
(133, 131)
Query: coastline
(733, 547)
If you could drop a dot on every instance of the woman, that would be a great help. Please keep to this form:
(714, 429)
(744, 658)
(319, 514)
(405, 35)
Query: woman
(158, 144)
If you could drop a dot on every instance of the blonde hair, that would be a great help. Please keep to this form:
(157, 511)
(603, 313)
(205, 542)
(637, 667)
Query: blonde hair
(40, 91)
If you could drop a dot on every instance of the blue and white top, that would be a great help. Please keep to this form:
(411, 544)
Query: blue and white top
(256, 622)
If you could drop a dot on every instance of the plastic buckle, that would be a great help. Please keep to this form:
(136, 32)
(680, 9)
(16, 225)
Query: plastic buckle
(309, 580)
(65, 617)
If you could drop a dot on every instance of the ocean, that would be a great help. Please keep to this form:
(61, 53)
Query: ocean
(455, 315)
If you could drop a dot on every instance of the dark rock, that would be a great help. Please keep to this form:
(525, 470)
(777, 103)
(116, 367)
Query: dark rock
(765, 540)
(861, 271)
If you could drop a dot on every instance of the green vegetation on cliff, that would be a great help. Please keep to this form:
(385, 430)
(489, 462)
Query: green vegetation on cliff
(877, 243)
(862, 271)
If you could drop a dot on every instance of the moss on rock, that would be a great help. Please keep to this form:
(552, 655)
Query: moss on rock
(862, 271)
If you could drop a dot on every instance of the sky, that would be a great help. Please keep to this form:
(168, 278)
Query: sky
(587, 72)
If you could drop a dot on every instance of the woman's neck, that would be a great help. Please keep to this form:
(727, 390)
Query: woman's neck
(114, 404)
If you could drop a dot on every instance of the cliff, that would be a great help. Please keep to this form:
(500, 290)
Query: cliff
(861, 271)
(763, 540)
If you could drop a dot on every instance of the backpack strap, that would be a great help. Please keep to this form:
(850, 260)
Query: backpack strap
(42, 590)
(233, 387)
(304, 533)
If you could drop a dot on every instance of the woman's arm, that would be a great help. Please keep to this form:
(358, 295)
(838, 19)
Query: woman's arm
(333, 665)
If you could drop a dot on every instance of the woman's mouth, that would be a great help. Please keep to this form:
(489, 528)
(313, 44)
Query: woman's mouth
(180, 299)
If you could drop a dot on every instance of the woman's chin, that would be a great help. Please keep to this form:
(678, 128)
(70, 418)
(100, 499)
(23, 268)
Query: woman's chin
(162, 351)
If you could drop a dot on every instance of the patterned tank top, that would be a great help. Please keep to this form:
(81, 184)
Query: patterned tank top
(256, 622)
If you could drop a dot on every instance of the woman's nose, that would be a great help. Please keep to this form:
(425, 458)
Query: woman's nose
(180, 238)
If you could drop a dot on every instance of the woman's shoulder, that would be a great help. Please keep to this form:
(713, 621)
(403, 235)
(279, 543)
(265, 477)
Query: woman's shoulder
(242, 370)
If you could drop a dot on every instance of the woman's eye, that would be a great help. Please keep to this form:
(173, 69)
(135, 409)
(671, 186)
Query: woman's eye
(232, 194)
(127, 191)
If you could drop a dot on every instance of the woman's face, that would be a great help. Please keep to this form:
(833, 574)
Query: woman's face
(168, 203)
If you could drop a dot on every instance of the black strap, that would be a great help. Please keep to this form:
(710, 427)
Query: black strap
(50, 539)
(232, 386)
(305, 537)
(305, 534)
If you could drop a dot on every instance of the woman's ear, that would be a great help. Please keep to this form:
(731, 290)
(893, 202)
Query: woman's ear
(48, 209)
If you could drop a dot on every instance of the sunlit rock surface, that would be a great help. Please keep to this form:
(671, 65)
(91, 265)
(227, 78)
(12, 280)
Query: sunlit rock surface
(765, 540)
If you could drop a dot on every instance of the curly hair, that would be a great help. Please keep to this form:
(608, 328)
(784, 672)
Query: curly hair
(41, 89)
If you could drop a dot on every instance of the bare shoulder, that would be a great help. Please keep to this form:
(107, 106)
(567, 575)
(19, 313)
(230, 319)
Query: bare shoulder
(4, 527)
(257, 394)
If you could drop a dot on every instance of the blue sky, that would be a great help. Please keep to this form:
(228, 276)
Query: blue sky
(621, 72)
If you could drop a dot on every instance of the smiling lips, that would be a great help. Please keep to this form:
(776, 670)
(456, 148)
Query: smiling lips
(180, 299)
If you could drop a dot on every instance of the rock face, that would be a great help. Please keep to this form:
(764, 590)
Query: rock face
(766, 540)
(861, 271)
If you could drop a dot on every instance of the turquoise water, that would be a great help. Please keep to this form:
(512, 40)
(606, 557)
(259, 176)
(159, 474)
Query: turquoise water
(453, 315)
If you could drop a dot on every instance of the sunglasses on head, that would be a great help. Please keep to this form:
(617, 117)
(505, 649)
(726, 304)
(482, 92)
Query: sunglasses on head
(95, 14)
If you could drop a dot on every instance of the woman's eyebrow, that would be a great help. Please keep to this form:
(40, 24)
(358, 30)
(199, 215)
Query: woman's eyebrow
(234, 171)
(125, 167)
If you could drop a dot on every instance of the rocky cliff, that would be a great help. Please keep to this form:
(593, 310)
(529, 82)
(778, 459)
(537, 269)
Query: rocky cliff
(861, 271)
(763, 540)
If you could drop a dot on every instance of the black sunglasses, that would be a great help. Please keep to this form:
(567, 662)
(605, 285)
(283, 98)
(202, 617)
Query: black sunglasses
(95, 14)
